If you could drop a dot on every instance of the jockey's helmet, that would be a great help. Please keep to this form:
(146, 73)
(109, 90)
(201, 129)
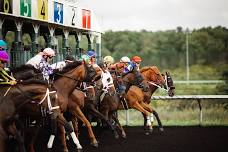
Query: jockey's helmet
(4, 57)
(108, 59)
(3, 45)
(85, 58)
(125, 59)
(49, 52)
(91, 54)
(136, 59)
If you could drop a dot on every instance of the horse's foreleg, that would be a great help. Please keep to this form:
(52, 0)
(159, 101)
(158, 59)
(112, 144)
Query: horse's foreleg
(119, 125)
(159, 121)
(69, 129)
(77, 112)
(53, 132)
(101, 116)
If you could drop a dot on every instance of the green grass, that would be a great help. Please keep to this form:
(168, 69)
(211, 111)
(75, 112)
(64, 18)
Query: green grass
(172, 115)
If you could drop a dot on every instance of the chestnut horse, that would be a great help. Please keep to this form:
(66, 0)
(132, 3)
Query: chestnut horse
(25, 97)
(153, 79)
(65, 82)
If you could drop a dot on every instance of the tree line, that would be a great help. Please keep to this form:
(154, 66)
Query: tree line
(167, 49)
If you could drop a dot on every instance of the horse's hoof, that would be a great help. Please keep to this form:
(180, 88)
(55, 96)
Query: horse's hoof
(124, 136)
(150, 130)
(161, 129)
(94, 144)
(147, 133)
(117, 136)
(79, 150)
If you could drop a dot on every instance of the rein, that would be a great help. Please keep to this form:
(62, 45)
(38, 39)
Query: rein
(46, 96)
(166, 84)
(68, 77)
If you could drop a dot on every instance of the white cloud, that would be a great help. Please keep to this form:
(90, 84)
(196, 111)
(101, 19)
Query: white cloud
(158, 14)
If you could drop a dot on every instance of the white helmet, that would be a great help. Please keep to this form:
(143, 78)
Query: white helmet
(49, 52)
(108, 60)
(125, 59)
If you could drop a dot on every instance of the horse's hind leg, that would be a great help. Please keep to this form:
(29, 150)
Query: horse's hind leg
(77, 112)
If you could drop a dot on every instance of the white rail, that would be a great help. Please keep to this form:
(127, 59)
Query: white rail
(193, 97)
(199, 81)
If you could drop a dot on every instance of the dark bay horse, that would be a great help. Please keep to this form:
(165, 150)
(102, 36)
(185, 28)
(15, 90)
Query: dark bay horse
(108, 105)
(154, 79)
(29, 97)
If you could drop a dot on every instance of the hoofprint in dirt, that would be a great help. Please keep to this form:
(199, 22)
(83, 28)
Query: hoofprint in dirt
(174, 139)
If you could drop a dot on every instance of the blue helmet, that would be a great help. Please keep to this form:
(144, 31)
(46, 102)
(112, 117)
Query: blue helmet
(91, 53)
(3, 45)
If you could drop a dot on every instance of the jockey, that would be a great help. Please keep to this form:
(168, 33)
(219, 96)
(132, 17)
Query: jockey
(136, 60)
(106, 77)
(4, 58)
(42, 62)
(60, 65)
(109, 61)
(128, 65)
(133, 66)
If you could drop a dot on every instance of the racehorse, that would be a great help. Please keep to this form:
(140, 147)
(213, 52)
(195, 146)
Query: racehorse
(65, 82)
(27, 96)
(154, 79)
(108, 105)
(82, 98)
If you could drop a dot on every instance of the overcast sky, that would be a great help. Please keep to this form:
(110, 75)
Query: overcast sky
(154, 15)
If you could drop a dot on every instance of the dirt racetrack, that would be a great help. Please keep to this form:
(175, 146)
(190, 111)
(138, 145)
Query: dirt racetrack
(174, 139)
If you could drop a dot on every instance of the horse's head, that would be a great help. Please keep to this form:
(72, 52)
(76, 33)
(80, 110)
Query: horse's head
(78, 71)
(90, 73)
(169, 84)
(153, 75)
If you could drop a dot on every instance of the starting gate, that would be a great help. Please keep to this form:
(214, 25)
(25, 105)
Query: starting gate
(49, 19)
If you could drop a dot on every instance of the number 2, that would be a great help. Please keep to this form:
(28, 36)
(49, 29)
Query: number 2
(73, 18)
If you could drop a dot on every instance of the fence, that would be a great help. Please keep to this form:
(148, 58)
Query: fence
(198, 98)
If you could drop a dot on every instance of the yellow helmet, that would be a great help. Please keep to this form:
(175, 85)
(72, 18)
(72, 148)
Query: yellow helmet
(109, 60)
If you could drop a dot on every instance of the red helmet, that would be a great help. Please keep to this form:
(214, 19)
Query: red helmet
(136, 59)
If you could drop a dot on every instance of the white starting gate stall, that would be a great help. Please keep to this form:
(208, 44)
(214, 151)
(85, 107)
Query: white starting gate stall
(47, 18)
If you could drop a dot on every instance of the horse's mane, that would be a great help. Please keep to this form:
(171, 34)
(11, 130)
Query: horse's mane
(25, 72)
(145, 69)
(58, 72)
(69, 67)
(154, 68)
(25, 67)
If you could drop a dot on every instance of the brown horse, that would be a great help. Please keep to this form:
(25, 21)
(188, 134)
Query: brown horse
(153, 79)
(29, 97)
(65, 83)
(108, 105)
(77, 101)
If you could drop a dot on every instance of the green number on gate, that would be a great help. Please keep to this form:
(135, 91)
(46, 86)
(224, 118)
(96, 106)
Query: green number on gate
(26, 8)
